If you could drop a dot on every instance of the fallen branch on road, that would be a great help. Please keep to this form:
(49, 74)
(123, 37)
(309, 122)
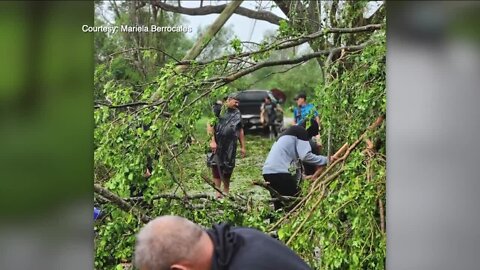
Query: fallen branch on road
(275, 193)
(170, 196)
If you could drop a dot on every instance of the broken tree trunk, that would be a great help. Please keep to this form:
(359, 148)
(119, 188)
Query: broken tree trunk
(204, 40)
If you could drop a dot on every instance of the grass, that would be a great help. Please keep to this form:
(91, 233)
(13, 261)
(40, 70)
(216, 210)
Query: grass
(201, 129)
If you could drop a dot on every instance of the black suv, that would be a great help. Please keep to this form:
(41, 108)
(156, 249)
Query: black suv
(250, 103)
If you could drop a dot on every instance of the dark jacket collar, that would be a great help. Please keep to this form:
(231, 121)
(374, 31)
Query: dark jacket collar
(225, 244)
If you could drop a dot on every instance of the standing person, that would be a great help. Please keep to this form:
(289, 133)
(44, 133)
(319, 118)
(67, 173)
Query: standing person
(225, 133)
(268, 111)
(304, 112)
(291, 146)
(176, 243)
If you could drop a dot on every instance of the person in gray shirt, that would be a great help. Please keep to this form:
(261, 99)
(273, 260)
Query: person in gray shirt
(291, 146)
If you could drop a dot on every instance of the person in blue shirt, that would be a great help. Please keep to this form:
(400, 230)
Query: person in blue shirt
(305, 111)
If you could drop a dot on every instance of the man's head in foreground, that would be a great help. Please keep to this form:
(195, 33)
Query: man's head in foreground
(173, 243)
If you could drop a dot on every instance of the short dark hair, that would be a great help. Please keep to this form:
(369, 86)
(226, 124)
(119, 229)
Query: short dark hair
(233, 96)
(312, 129)
(301, 95)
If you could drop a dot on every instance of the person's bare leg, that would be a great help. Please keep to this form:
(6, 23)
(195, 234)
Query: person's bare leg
(218, 184)
(226, 185)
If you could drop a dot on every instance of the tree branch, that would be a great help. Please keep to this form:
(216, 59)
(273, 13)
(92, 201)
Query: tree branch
(273, 73)
(170, 196)
(300, 59)
(98, 104)
(143, 49)
(203, 41)
(381, 209)
(274, 192)
(205, 10)
(285, 44)
(121, 203)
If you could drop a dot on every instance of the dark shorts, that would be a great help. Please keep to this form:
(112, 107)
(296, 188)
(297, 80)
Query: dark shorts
(284, 183)
(216, 174)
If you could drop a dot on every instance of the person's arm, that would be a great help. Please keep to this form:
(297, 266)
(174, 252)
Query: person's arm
(305, 154)
(319, 169)
(241, 138)
(210, 132)
(262, 111)
(311, 158)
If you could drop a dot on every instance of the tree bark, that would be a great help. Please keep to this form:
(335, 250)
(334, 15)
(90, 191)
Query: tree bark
(205, 39)
(291, 42)
(206, 10)
(207, 36)
(295, 10)
(115, 9)
(303, 58)
(121, 203)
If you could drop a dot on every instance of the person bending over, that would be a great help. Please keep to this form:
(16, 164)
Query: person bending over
(291, 147)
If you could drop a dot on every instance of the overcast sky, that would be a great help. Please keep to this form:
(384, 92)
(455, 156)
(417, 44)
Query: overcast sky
(246, 29)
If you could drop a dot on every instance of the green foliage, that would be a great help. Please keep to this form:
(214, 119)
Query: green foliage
(346, 224)
(284, 28)
(352, 101)
(236, 45)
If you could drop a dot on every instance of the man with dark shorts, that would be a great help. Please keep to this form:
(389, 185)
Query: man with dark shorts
(225, 133)
(291, 146)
